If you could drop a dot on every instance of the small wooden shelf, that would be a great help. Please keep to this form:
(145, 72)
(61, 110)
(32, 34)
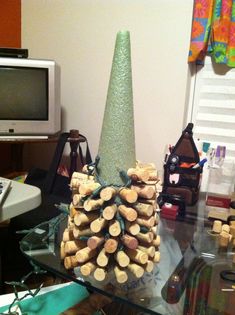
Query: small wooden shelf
(16, 152)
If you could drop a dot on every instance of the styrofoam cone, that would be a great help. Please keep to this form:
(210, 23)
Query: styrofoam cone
(117, 141)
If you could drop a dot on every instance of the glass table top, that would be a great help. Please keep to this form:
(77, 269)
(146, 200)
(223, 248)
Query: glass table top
(186, 281)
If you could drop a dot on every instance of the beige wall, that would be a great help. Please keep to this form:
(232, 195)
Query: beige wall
(80, 36)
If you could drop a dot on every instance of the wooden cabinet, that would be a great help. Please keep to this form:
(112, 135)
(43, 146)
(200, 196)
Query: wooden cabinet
(12, 157)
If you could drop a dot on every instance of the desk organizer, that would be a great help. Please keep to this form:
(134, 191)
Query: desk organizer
(182, 170)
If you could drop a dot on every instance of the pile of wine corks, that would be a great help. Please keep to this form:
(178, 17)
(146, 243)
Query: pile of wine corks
(226, 233)
(113, 228)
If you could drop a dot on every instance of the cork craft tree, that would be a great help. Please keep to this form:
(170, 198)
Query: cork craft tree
(112, 225)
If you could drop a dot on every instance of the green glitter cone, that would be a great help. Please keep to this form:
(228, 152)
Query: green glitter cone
(117, 141)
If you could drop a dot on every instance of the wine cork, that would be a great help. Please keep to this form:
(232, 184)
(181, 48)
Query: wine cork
(132, 227)
(87, 168)
(74, 183)
(111, 245)
(98, 224)
(223, 239)
(93, 204)
(153, 176)
(70, 262)
(108, 193)
(149, 250)
(128, 195)
(78, 232)
(145, 191)
(75, 175)
(121, 275)
(138, 174)
(232, 230)
(100, 274)
(157, 218)
(72, 211)
(137, 270)
(114, 228)
(109, 212)
(85, 254)
(128, 213)
(82, 218)
(158, 186)
(122, 259)
(156, 257)
(83, 178)
(217, 226)
(149, 201)
(62, 251)
(71, 247)
(94, 241)
(87, 268)
(77, 201)
(70, 223)
(78, 179)
(137, 256)
(156, 241)
(102, 259)
(154, 230)
(144, 209)
(148, 266)
(67, 235)
(87, 189)
(147, 222)
(225, 228)
(145, 237)
(129, 241)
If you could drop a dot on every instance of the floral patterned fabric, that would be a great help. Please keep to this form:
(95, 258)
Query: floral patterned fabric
(213, 31)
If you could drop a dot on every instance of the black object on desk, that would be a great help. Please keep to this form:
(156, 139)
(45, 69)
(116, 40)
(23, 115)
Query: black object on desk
(180, 178)
(55, 189)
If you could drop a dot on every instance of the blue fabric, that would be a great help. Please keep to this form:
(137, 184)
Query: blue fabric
(54, 302)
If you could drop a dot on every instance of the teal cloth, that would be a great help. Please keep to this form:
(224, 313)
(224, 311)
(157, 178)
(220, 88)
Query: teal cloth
(54, 302)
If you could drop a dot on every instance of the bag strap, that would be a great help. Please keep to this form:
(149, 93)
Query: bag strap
(88, 159)
(51, 174)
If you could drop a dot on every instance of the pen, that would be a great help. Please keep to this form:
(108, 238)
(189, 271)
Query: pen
(200, 164)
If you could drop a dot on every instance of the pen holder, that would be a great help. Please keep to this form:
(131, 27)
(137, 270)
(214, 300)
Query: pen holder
(182, 170)
(184, 182)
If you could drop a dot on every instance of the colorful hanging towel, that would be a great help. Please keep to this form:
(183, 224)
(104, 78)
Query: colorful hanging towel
(213, 31)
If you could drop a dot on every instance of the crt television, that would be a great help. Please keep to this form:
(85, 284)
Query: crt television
(28, 104)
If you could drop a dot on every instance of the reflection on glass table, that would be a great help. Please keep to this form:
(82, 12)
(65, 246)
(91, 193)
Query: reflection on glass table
(186, 281)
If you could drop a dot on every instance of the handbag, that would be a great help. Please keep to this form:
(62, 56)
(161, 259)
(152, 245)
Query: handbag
(182, 170)
(54, 187)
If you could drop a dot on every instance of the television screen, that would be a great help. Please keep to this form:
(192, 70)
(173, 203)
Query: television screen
(23, 93)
